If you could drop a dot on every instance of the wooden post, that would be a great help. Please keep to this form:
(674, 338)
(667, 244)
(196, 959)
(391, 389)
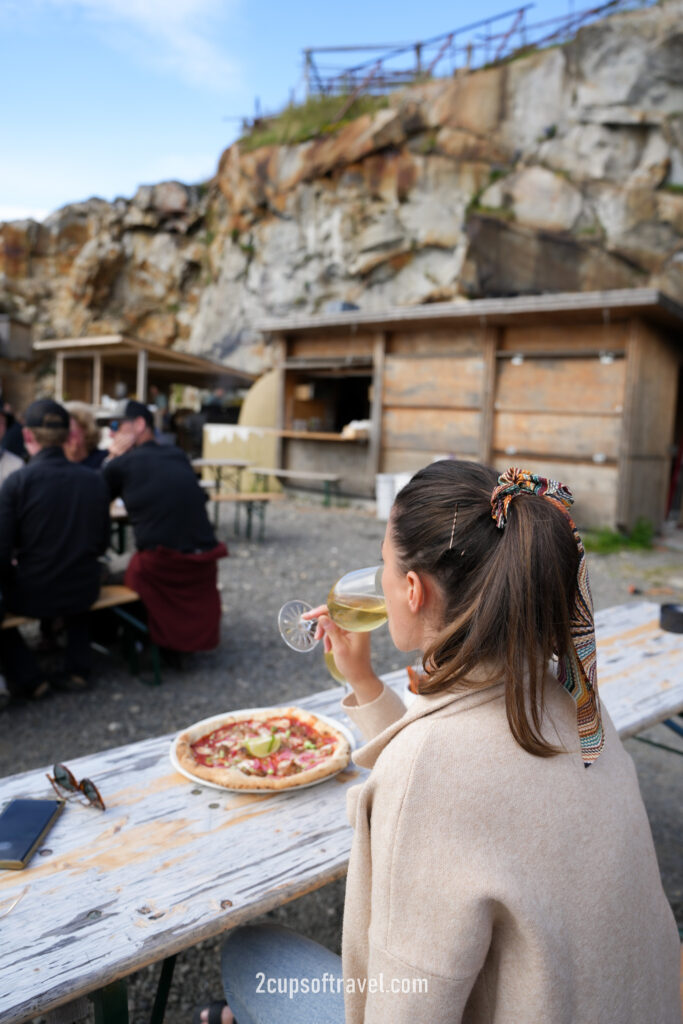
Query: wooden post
(307, 72)
(647, 426)
(624, 464)
(59, 377)
(96, 379)
(375, 445)
(280, 352)
(141, 382)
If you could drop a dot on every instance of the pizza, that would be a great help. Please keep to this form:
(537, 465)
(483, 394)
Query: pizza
(263, 749)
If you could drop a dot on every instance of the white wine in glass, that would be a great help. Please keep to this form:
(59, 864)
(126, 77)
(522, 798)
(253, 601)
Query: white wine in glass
(355, 602)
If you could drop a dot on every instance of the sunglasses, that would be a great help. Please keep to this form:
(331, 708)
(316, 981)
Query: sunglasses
(65, 782)
(114, 425)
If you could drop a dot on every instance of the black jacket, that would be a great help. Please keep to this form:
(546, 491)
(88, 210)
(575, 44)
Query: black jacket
(54, 521)
(165, 504)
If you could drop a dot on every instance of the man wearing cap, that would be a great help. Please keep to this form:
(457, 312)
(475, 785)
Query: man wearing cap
(174, 568)
(54, 526)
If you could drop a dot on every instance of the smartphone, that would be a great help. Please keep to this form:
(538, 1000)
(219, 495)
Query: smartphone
(23, 824)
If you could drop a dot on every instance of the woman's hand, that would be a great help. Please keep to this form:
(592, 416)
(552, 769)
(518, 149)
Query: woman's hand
(351, 654)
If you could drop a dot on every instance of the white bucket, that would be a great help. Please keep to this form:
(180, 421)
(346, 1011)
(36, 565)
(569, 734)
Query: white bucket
(387, 486)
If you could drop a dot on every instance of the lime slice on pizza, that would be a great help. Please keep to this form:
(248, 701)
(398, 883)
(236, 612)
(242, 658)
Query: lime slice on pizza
(261, 746)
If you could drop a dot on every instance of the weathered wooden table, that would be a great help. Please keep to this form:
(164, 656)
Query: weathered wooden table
(170, 863)
(640, 667)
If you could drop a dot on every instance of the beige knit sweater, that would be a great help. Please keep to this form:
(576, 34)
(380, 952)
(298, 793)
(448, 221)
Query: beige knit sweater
(518, 889)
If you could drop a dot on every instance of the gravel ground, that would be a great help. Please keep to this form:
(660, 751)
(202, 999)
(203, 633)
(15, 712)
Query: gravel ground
(305, 549)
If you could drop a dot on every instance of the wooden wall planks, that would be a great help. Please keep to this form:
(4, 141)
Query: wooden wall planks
(648, 425)
(431, 381)
(77, 380)
(432, 430)
(449, 341)
(565, 338)
(571, 385)
(408, 460)
(655, 369)
(554, 434)
(331, 345)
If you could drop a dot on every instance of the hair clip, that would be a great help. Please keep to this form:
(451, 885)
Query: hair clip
(455, 519)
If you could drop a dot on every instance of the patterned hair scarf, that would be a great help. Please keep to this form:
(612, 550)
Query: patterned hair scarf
(577, 672)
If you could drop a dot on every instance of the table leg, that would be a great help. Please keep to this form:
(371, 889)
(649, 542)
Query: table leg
(111, 1003)
(674, 726)
(238, 486)
(117, 537)
(217, 503)
(165, 979)
(136, 624)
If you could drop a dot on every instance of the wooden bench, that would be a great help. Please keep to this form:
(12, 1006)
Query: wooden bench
(328, 480)
(112, 596)
(253, 502)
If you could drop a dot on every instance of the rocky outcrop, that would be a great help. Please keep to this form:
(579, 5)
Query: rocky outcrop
(561, 170)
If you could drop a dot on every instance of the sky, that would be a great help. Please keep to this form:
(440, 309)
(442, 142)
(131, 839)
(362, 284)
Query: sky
(101, 96)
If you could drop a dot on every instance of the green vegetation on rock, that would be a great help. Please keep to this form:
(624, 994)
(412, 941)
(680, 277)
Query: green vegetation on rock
(319, 115)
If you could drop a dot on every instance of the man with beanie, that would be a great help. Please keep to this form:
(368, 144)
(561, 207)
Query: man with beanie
(54, 526)
(174, 568)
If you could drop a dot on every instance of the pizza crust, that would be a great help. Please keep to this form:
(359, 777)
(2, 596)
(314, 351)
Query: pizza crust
(233, 778)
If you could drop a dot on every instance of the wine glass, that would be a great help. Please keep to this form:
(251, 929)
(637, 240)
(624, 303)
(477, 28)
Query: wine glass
(355, 602)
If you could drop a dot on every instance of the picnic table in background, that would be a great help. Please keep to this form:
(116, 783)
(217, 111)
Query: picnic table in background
(171, 862)
(328, 480)
(112, 596)
(224, 471)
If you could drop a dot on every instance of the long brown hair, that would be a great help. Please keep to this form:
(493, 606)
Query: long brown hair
(507, 593)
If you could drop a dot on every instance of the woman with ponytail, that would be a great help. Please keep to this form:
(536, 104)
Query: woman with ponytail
(502, 868)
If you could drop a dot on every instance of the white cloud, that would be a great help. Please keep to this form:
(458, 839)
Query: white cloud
(22, 213)
(174, 36)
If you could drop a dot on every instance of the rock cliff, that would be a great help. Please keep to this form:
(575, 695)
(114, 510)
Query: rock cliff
(558, 171)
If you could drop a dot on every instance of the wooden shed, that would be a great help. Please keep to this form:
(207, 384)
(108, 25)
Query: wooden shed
(88, 368)
(584, 388)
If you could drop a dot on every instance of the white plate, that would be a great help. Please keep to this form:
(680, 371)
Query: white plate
(217, 720)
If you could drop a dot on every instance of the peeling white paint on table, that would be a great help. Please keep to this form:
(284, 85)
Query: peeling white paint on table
(170, 863)
(640, 667)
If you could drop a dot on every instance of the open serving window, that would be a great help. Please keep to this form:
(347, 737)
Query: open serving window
(327, 401)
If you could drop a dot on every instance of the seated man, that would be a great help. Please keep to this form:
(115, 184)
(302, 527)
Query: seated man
(174, 568)
(54, 526)
(9, 462)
